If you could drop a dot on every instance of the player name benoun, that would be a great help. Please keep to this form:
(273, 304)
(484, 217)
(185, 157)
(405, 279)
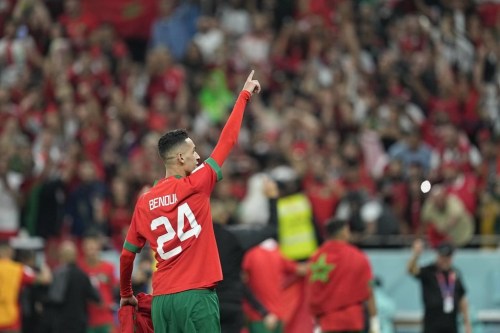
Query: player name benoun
(166, 200)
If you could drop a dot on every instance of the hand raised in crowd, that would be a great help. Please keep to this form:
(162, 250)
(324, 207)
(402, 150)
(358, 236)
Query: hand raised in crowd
(418, 247)
(251, 85)
(271, 188)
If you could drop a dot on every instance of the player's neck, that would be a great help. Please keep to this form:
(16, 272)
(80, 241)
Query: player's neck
(174, 171)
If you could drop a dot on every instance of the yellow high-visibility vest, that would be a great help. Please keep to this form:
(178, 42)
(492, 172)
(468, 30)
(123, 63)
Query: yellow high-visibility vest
(296, 233)
(10, 284)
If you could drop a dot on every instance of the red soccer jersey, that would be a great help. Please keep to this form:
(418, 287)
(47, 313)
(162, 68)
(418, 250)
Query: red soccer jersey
(103, 279)
(174, 217)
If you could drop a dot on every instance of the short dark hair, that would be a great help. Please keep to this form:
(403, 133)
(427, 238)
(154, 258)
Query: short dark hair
(445, 249)
(334, 225)
(92, 233)
(170, 140)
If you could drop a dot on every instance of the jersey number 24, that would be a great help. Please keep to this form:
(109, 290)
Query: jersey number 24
(182, 212)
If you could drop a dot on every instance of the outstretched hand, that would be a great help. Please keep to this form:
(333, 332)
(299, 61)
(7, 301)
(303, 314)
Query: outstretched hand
(271, 189)
(251, 85)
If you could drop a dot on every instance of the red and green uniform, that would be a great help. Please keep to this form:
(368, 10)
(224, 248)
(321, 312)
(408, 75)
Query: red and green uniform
(338, 283)
(13, 276)
(103, 279)
(174, 217)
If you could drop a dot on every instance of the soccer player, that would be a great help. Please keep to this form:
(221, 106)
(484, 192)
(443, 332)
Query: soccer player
(339, 280)
(174, 217)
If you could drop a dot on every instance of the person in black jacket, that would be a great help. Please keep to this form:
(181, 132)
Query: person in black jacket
(233, 241)
(443, 290)
(68, 295)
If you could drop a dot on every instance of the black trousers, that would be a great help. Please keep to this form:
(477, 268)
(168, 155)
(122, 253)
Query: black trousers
(231, 317)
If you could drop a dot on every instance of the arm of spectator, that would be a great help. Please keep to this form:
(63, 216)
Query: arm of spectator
(423, 8)
(270, 319)
(297, 268)
(44, 277)
(254, 302)
(34, 57)
(418, 247)
(372, 313)
(91, 293)
(464, 309)
(278, 48)
(478, 68)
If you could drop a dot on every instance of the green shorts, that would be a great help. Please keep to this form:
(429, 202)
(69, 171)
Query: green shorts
(189, 311)
(100, 329)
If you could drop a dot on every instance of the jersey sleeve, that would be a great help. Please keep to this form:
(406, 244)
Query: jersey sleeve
(231, 131)
(134, 241)
(204, 178)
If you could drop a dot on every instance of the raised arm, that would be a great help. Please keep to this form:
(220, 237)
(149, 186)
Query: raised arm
(231, 131)
(417, 249)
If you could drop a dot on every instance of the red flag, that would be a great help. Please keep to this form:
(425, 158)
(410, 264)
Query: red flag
(138, 320)
(339, 277)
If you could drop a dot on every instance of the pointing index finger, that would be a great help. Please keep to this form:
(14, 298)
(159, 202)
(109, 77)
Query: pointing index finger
(250, 76)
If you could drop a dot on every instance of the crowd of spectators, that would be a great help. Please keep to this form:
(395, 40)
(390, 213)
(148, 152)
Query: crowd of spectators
(365, 100)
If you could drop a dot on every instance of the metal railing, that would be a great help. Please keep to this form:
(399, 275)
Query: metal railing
(400, 241)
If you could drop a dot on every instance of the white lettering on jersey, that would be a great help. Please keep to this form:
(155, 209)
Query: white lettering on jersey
(163, 201)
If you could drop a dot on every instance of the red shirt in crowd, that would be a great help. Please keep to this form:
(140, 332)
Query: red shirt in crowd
(465, 188)
(169, 82)
(324, 198)
(266, 270)
(119, 219)
(103, 279)
(78, 28)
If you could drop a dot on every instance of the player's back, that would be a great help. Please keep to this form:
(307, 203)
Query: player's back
(174, 216)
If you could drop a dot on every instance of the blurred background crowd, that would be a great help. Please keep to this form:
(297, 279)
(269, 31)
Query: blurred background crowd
(363, 100)
(384, 112)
